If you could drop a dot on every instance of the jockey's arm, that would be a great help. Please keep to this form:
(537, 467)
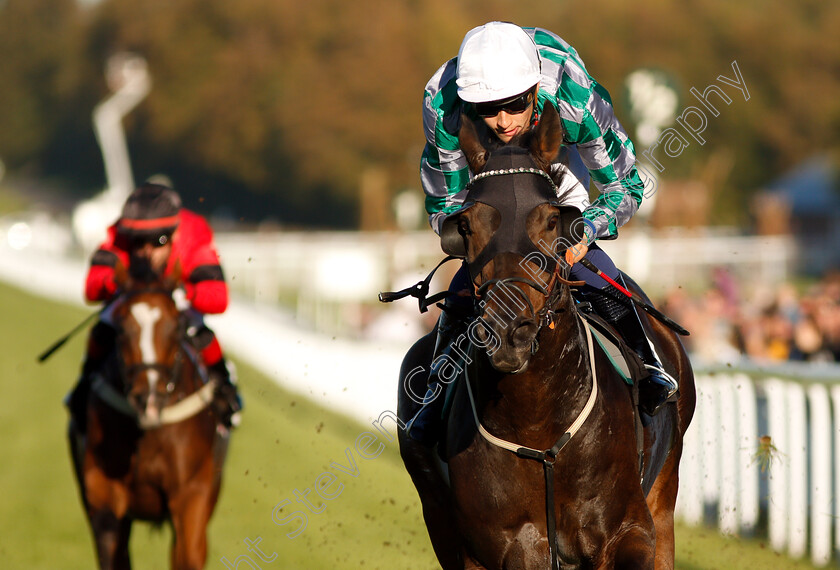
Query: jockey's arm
(100, 284)
(205, 285)
(209, 296)
(443, 168)
(589, 122)
(608, 154)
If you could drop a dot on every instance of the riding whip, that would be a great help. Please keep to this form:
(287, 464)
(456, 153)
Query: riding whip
(60, 342)
(635, 298)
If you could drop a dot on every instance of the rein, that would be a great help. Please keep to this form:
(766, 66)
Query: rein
(546, 456)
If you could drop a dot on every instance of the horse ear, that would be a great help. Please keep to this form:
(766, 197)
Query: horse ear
(548, 136)
(468, 139)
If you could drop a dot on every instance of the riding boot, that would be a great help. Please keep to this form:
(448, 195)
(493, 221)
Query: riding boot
(658, 386)
(100, 343)
(227, 403)
(427, 424)
(76, 399)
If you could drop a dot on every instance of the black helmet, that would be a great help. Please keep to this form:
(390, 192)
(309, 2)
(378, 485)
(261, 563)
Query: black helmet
(150, 214)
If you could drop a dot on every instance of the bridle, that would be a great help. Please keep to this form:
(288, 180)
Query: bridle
(181, 410)
(551, 293)
(169, 372)
(559, 276)
(545, 316)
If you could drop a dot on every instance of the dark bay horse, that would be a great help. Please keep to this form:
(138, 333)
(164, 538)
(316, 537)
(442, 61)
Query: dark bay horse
(152, 450)
(544, 465)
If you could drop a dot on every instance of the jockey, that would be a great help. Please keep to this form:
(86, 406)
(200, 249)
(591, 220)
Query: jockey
(502, 79)
(152, 234)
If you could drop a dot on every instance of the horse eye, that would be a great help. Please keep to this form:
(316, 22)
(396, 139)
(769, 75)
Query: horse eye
(464, 227)
(552, 222)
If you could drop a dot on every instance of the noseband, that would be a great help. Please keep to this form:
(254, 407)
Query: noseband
(185, 408)
(169, 373)
(551, 292)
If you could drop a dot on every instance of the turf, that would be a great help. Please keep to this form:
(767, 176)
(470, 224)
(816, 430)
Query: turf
(285, 444)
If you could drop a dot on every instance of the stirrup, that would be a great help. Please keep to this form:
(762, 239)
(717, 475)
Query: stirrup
(670, 380)
(656, 389)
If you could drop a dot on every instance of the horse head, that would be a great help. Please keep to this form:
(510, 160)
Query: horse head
(512, 231)
(149, 341)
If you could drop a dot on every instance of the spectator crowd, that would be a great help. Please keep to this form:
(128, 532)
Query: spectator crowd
(731, 321)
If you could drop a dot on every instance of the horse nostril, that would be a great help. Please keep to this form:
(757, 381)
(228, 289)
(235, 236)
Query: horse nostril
(522, 335)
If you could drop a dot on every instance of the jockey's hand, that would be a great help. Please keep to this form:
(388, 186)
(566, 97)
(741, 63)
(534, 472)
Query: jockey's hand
(576, 252)
(180, 298)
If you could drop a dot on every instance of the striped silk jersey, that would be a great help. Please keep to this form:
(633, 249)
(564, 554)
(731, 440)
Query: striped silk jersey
(192, 247)
(588, 120)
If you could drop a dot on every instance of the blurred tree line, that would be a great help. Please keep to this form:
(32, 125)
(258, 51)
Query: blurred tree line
(278, 108)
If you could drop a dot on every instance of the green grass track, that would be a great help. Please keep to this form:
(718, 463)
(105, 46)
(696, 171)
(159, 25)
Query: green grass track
(285, 444)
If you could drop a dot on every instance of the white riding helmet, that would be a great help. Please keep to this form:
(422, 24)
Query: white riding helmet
(496, 61)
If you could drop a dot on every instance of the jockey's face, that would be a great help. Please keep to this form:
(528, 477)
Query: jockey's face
(152, 252)
(510, 117)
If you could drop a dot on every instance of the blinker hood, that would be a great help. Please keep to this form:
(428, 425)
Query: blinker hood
(513, 187)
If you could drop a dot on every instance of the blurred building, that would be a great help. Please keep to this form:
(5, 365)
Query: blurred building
(805, 203)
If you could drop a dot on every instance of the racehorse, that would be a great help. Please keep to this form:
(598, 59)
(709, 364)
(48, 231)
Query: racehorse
(547, 462)
(152, 450)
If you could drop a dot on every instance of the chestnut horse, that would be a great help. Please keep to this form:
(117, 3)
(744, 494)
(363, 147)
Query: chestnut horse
(548, 464)
(152, 450)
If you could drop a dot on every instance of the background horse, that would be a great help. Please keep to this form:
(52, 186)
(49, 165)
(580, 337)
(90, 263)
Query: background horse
(152, 450)
(585, 489)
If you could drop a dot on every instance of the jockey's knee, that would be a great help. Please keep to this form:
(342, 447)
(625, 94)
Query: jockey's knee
(602, 261)
(208, 344)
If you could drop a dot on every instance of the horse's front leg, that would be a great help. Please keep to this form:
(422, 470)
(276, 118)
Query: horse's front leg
(633, 549)
(111, 535)
(191, 511)
(106, 505)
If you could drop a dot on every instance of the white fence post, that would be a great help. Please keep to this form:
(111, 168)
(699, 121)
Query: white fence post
(835, 399)
(747, 407)
(777, 499)
(710, 432)
(798, 450)
(729, 443)
(821, 515)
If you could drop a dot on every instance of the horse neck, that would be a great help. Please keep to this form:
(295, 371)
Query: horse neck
(556, 384)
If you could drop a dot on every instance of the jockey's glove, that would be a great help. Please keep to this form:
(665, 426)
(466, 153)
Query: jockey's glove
(179, 295)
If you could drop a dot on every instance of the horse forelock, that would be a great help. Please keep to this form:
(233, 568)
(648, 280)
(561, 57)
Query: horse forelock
(510, 156)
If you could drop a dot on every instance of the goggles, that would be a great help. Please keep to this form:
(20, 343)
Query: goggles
(158, 240)
(513, 106)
